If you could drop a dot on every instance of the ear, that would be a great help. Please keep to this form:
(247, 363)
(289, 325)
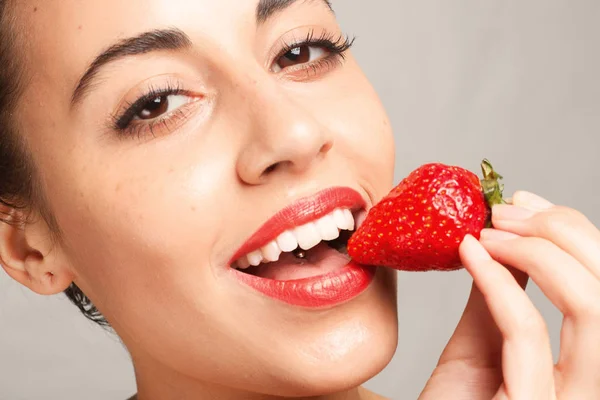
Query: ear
(30, 256)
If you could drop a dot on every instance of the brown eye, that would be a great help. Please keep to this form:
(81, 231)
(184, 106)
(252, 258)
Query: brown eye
(154, 108)
(298, 56)
(160, 106)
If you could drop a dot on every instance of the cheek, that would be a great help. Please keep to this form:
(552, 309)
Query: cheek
(358, 119)
(371, 137)
(143, 228)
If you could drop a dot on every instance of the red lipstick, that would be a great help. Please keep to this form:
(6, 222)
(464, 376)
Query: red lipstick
(318, 292)
(301, 212)
(336, 279)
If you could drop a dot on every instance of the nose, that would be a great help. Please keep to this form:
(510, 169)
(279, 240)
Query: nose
(284, 137)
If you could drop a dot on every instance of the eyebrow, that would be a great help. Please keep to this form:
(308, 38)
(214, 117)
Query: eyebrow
(162, 39)
(267, 8)
(156, 40)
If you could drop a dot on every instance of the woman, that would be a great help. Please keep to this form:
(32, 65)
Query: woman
(152, 151)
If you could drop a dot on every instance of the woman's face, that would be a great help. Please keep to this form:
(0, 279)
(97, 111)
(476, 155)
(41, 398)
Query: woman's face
(201, 122)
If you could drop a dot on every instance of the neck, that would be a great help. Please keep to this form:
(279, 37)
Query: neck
(156, 383)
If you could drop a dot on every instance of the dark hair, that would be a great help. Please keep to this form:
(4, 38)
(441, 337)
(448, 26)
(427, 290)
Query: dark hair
(19, 190)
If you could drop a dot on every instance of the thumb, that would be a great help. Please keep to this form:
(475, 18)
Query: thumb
(477, 340)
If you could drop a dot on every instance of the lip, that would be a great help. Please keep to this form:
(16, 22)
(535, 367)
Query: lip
(301, 212)
(321, 291)
(318, 292)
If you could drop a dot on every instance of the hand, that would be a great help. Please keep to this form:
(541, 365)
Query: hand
(560, 249)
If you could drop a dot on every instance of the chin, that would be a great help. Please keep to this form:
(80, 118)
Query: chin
(323, 377)
(349, 374)
(341, 352)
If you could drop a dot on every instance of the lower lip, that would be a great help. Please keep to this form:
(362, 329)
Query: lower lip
(317, 292)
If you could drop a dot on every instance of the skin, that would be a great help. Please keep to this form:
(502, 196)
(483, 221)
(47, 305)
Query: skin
(148, 222)
(501, 347)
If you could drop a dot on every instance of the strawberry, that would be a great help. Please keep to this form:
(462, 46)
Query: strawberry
(421, 223)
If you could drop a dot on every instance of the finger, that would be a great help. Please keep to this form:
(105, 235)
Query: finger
(504, 395)
(477, 337)
(569, 285)
(579, 364)
(530, 201)
(568, 229)
(573, 289)
(477, 341)
(527, 357)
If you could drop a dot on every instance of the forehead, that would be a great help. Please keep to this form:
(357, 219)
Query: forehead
(76, 22)
(64, 36)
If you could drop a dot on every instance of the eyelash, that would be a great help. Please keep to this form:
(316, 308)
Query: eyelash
(123, 121)
(336, 46)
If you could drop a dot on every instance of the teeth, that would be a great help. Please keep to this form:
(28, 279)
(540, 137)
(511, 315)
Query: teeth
(243, 263)
(340, 219)
(360, 219)
(308, 236)
(327, 228)
(349, 220)
(287, 241)
(255, 258)
(271, 252)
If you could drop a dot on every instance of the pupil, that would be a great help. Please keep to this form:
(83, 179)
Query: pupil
(294, 54)
(297, 55)
(154, 108)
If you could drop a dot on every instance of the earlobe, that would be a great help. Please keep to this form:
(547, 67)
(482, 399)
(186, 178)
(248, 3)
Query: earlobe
(28, 255)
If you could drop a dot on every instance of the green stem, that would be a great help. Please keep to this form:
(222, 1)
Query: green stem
(492, 188)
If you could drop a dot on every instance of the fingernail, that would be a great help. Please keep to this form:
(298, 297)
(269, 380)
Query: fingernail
(494, 235)
(511, 213)
(531, 201)
(473, 250)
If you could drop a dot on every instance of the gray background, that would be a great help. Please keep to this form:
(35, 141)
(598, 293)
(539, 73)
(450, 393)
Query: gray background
(512, 80)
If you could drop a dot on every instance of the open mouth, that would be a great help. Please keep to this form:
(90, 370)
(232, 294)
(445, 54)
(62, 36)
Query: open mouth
(313, 249)
(299, 256)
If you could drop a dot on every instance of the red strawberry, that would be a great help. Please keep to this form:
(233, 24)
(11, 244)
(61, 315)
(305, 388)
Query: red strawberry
(421, 223)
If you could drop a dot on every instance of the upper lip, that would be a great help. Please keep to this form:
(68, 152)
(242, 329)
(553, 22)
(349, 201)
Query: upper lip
(300, 212)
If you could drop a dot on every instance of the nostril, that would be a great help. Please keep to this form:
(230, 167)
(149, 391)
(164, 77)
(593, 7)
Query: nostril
(270, 169)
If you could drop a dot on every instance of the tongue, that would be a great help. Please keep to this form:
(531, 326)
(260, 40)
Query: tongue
(320, 260)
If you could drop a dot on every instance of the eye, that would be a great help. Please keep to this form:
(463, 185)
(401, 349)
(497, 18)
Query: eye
(160, 106)
(300, 55)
